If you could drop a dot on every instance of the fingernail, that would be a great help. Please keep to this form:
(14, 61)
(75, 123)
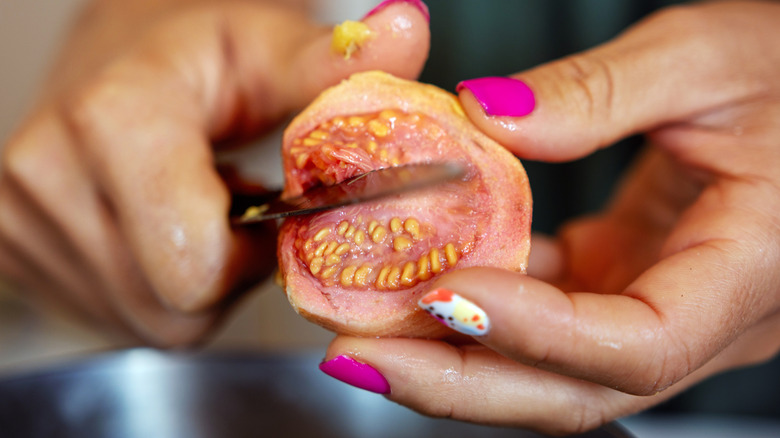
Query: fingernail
(501, 96)
(417, 3)
(357, 374)
(456, 312)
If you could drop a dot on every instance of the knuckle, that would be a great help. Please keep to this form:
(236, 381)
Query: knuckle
(14, 163)
(581, 420)
(680, 19)
(593, 79)
(438, 408)
(697, 28)
(584, 413)
(675, 362)
(19, 160)
(86, 108)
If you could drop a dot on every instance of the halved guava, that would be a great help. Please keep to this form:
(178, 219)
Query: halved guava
(360, 269)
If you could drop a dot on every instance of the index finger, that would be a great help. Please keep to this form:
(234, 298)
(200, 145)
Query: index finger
(674, 65)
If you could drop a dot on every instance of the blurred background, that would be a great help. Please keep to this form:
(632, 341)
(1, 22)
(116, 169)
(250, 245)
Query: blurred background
(470, 39)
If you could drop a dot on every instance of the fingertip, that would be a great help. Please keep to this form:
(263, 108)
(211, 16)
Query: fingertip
(501, 96)
(355, 362)
(511, 111)
(185, 245)
(394, 38)
(402, 40)
(187, 262)
(421, 7)
(456, 312)
(404, 363)
(358, 374)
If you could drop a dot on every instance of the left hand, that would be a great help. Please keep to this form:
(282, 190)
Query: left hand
(110, 202)
(676, 280)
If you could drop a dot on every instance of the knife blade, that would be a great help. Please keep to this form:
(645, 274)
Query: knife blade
(368, 186)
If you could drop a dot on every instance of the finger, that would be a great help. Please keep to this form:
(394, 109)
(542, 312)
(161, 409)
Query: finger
(158, 179)
(605, 252)
(643, 79)
(40, 185)
(24, 276)
(34, 249)
(545, 261)
(588, 336)
(159, 174)
(65, 244)
(472, 383)
(301, 62)
(399, 45)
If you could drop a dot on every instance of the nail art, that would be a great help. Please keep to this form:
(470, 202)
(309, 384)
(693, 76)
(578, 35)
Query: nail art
(501, 96)
(417, 3)
(456, 312)
(357, 374)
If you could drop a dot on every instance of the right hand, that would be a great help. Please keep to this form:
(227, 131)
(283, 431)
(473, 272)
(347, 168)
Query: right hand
(674, 281)
(109, 199)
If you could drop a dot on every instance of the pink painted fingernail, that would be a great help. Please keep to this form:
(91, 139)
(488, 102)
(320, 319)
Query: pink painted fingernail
(456, 312)
(417, 3)
(357, 374)
(501, 96)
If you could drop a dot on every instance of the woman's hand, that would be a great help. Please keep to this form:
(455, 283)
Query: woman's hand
(109, 197)
(676, 280)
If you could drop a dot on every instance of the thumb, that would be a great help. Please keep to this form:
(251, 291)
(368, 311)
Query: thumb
(612, 340)
(394, 37)
(673, 65)
(305, 58)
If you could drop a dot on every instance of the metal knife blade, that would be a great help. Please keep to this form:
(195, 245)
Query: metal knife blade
(365, 187)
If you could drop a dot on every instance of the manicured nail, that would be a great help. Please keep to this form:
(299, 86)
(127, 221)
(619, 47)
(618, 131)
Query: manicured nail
(357, 374)
(501, 96)
(417, 3)
(456, 312)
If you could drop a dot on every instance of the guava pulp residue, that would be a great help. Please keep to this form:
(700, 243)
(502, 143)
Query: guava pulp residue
(391, 244)
(346, 146)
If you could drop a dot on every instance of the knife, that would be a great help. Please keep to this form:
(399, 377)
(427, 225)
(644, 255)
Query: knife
(360, 188)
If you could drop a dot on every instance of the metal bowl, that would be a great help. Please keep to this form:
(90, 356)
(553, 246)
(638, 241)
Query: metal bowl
(146, 393)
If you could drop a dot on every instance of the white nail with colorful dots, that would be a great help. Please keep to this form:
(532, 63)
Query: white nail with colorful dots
(456, 312)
